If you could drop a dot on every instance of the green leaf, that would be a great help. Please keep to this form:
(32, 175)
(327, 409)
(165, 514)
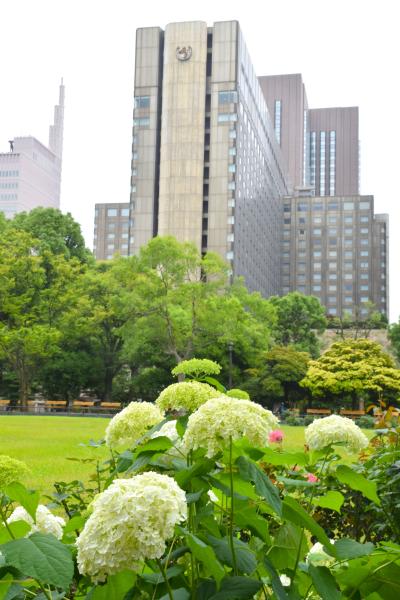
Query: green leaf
(158, 578)
(5, 584)
(286, 543)
(358, 482)
(300, 483)
(116, 587)
(275, 581)
(181, 425)
(29, 500)
(205, 590)
(201, 467)
(245, 559)
(19, 529)
(295, 513)
(284, 458)
(158, 444)
(248, 518)
(237, 588)
(324, 582)
(179, 594)
(43, 557)
(193, 496)
(75, 524)
(332, 500)
(348, 549)
(250, 471)
(206, 555)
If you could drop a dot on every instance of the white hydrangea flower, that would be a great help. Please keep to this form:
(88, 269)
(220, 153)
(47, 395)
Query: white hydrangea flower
(168, 430)
(46, 522)
(285, 580)
(333, 430)
(186, 396)
(220, 419)
(130, 522)
(129, 425)
(318, 557)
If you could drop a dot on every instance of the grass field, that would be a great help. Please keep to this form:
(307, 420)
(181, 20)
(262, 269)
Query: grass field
(46, 443)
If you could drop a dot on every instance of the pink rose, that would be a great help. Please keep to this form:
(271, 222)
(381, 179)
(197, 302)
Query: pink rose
(311, 478)
(276, 436)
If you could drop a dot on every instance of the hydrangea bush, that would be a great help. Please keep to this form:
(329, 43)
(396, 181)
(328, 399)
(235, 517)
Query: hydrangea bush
(233, 516)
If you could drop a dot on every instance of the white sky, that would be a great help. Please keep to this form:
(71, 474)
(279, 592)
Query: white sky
(347, 51)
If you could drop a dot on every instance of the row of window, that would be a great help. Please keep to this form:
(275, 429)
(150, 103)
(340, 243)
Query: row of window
(9, 173)
(331, 205)
(9, 185)
(8, 196)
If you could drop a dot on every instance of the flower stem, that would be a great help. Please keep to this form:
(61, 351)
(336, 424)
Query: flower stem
(164, 574)
(231, 518)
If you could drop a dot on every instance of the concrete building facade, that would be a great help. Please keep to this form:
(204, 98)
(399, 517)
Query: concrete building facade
(335, 248)
(30, 173)
(111, 230)
(206, 166)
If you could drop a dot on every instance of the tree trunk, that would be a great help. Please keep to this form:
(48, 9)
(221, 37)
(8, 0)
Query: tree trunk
(23, 388)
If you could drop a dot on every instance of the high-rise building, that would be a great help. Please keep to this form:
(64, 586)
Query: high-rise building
(30, 173)
(244, 167)
(319, 145)
(206, 166)
(111, 230)
(335, 248)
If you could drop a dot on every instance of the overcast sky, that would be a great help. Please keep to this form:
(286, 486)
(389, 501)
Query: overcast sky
(347, 50)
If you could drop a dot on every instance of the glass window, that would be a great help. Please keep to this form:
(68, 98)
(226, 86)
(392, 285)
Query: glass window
(316, 288)
(124, 212)
(348, 299)
(317, 206)
(317, 276)
(232, 168)
(302, 220)
(333, 206)
(141, 122)
(332, 276)
(364, 219)
(112, 212)
(348, 231)
(277, 117)
(229, 255)
(348, 287)
(302, 206)
(332, 253)
(317, 231)
(142, 102)
(348, 220)
(364, 265)
(348, 264)
(332, 311)
(364, 299)
(227, 117)
(332, 220)
(332, 299)
(317, 220)
(332, 231)
(111, 236)
(332, 265)
(317, 266)
(348, 254)
(317, 253)
(364, 242)
(332, 288)
(364, 288)
(364, 253)
(364, 205)
(348, 276)
(228, 97)
(364, 230)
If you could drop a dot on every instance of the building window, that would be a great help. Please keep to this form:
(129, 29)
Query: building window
(227, 117)
(333, 206)
(364, 253)
(142, 102)
(317, 220)
(317, 231)
(278, 120)
(124, 212)
(364, 265)
(229, 97)
(112, 212)
(332, 159)
(322, 157)
(141, 122)
(364, 205)
(305, 147)
(313, 144)
(364, 219)
(316, 288)
(348, 205)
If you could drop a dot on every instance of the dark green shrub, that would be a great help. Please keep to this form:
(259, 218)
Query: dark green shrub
(366, 422)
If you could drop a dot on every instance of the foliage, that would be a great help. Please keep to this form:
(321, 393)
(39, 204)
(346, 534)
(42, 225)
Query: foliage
(299, 319)
(357, 368)
(237, 393)
(259, 524)
(277, 375)
(197, 368)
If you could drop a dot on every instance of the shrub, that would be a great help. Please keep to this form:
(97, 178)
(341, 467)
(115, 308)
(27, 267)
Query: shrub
(366, 422)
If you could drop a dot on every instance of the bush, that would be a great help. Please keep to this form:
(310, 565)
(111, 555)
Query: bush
(366, 422)
(308, 420)
(294, 421)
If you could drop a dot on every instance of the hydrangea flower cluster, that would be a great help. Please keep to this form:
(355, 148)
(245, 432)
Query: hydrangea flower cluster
(197, 367)
(334, 430)
(11, 470)
(220, 419)
(46, 522)
(129, 425)
(186, 396)
(130, 522)
(318, 557)
(168, 430)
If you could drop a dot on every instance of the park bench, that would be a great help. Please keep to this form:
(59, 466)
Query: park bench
(353, 414)
(56, 406)
(107, 407)
(83, 406)
(4, 404)
(319, 411)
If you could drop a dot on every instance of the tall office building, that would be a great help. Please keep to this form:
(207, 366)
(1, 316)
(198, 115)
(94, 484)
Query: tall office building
(319, 145)
(206, 166)
(30, 173)
(111, 230)
(243, 166)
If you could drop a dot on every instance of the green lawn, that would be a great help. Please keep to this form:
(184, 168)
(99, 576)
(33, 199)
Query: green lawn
(46, 443)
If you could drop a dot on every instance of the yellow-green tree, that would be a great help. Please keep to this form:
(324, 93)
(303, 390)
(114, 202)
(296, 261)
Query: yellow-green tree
(354, 369)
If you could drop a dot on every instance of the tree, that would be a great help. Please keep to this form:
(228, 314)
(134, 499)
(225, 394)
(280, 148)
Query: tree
(35, 293)
(361, 324)
(277, 375)
(394, 337)
(299, 319)
(56, 232)
(353, 368)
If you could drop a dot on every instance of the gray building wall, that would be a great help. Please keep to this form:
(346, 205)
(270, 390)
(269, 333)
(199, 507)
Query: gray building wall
(287, 104)
(340, 158)
(334, 248)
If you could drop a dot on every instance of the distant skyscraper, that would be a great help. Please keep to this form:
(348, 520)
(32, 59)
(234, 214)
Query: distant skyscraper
(30, 173)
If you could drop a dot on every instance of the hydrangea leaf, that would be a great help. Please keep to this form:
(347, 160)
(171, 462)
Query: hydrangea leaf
(249, 471)
(206, 555)
(43, 557)
(332, 500)
(295, 513)
(19, 529)
(358, 482)
(116, 587)
(324, 582)
(29, 500)
(347, 549)
(246, 560)
(238, 588)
